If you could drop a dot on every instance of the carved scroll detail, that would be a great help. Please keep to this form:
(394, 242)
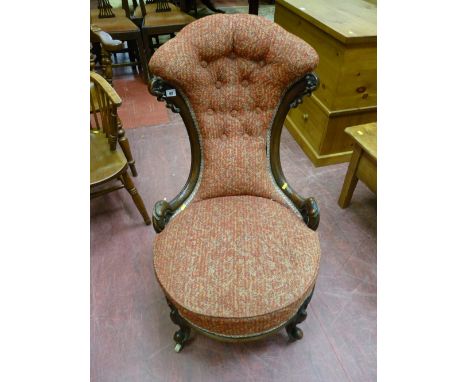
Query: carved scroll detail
(312, 82)
(162, 212)
(158, 88)
(311, 213)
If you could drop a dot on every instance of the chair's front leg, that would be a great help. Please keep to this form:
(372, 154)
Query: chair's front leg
(295, 333)
(183, 334)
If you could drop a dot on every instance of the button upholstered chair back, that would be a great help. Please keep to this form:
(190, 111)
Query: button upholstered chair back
(232, 71)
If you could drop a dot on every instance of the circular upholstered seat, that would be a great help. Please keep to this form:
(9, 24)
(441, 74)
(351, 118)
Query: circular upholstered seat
(237, 266)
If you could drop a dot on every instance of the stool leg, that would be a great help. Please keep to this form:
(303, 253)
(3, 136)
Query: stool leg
(351, 179)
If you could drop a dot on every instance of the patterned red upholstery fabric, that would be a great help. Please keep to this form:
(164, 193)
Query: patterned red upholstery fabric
(238, 265)
(237, 261)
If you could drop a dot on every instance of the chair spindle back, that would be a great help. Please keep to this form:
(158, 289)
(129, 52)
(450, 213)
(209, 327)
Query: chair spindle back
(104, 103)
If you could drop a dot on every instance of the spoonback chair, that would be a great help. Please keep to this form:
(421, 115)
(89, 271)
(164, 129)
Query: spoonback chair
(237, 255)
(109, 148)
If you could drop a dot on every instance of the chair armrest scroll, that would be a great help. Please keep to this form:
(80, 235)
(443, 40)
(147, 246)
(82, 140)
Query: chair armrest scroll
(108, 43)
(308, 207)
(178, 103)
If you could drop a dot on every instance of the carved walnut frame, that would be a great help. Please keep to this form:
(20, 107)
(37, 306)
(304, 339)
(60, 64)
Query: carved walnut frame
(164, 210)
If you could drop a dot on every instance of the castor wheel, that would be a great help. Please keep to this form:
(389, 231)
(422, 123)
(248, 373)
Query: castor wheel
(180, 337)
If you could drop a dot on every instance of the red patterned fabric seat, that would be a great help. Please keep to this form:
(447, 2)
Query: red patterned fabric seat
(237, 265)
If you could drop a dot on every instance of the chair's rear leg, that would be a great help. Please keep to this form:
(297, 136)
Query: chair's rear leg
(130, 187)
(295, 333)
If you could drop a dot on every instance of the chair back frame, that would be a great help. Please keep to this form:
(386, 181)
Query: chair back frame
(178, 103)
(104, 103)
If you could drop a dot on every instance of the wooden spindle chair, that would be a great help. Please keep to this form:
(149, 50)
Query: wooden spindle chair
(108, 46)
(160, 17)
(117, 22)
(109, 148)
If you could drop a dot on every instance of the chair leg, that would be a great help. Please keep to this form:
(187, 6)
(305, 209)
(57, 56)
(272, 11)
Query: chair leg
(350, 182)
(130, 187)
(183, 334)
(97, 51)
(123, 142)
(147, 42)
(131, 54)
(143, 57)
(295, 333)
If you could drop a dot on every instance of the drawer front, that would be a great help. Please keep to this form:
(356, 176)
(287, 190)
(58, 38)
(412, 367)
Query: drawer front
(310, 121)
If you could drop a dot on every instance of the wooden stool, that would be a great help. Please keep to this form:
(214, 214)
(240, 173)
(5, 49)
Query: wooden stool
(363, 164)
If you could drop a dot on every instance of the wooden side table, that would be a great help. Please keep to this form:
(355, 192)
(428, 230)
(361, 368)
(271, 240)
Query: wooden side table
(363, 164)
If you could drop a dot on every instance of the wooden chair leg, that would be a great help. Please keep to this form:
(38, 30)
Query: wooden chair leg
(131, 54)
(351, 179)
(123, 142)
(97, 51)
(143, 57)
(183, 334)
(294, 332)
(147, 42)
(130, 187)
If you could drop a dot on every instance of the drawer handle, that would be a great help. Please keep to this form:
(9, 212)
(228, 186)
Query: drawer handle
(361, 89)
(305, 117)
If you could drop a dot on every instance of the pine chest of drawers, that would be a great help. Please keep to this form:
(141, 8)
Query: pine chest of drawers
(344, 34)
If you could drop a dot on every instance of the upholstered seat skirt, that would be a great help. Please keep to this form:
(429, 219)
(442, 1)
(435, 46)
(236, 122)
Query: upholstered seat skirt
(237, 265)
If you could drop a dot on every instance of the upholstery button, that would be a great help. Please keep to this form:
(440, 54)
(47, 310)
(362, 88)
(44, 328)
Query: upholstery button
(204, 64)
(234, 113)
(262, 63)
(210, 111)
(224, 136)
(218, 84)
(232, 55)
(245, 83)
(246, 135)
